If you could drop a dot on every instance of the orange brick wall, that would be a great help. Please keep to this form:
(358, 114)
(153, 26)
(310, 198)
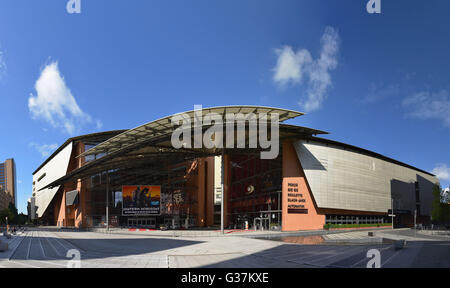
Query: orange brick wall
(293, 173)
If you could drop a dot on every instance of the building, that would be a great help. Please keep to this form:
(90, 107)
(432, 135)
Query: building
(446, 195)
(138, 178)
(8, 188)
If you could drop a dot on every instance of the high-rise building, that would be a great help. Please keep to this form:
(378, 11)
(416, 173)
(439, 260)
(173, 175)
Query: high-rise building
(7, 183)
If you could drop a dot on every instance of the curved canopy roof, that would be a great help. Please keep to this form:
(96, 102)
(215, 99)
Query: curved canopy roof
(164, 126)
(150, 144)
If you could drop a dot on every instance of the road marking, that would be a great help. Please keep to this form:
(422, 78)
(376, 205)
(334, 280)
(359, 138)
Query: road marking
(61, 244)
(29, 246)
(389, 259)
(42, 247)
(355, 250)
(54, 248)
(15, 249)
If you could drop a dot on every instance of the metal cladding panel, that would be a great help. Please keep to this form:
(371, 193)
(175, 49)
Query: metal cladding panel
(341, 178)
(53, 170)
(72, 198)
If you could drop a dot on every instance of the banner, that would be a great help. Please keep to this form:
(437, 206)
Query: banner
(143, 200)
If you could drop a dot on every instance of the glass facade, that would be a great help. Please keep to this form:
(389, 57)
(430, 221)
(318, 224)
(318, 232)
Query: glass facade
(357, 219)
(255, 192)
(8, 183)
(2, 177)
(178, 196)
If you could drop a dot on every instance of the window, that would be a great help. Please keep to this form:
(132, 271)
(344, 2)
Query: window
(42, 177)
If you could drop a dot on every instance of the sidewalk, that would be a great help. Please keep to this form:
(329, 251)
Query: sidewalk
(228, 232)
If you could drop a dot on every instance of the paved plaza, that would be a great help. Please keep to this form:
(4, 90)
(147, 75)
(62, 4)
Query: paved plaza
(42, 248)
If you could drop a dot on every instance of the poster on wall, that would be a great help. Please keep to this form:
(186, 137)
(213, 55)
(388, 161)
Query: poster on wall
(141, 200)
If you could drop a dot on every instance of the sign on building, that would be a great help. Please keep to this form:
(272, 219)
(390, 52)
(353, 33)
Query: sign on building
(141, 200)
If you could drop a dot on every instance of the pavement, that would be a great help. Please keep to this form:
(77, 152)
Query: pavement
(43, 248)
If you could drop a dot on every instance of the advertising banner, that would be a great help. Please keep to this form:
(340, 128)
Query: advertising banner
(141, 200)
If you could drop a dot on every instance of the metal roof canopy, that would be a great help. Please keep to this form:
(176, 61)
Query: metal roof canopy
(155, 147)
(164, 126)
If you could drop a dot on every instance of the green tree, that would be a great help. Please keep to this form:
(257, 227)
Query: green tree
(21, 219)
(13, 209)
(6, 213)
(436, 207)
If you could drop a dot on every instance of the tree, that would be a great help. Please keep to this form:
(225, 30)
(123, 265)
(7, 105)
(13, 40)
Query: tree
(6, 213)
(12, 208)
(21, 219)
(440, 209)
(436, 207)
(11, 213)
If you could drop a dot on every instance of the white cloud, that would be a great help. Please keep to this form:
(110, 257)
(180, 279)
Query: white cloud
(442, 171)
(429, 105)
(55, 103)
(98, 124)
(378, 92)
(292, 67)
(3, 67)
(44, 149)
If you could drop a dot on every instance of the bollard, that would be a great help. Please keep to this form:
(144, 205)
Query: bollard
(399, 244)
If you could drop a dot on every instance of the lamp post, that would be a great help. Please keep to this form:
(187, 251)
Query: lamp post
(222, 192)
(392, 212)
(107, 202)
(415, 221)
(392, 206)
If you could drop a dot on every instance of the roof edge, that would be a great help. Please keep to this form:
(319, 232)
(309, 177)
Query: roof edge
(370, 153)
(76, 138)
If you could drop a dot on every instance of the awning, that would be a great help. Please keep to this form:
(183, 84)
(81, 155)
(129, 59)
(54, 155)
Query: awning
(163, 126)
(150, 145)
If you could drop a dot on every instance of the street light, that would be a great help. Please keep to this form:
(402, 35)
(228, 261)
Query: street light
(222, 180)
(392, 212)
(415, 221)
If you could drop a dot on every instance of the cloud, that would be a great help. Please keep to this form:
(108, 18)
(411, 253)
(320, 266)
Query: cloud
(429, 105)
(292, 67)
(44, 149)
(55, 103)
(377, 93)
(442, 171)
(3, 67)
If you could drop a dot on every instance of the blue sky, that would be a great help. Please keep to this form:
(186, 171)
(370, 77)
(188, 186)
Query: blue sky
(380, 82)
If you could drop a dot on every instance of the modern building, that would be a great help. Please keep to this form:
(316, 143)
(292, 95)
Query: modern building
(138, 178)
(8, 188)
